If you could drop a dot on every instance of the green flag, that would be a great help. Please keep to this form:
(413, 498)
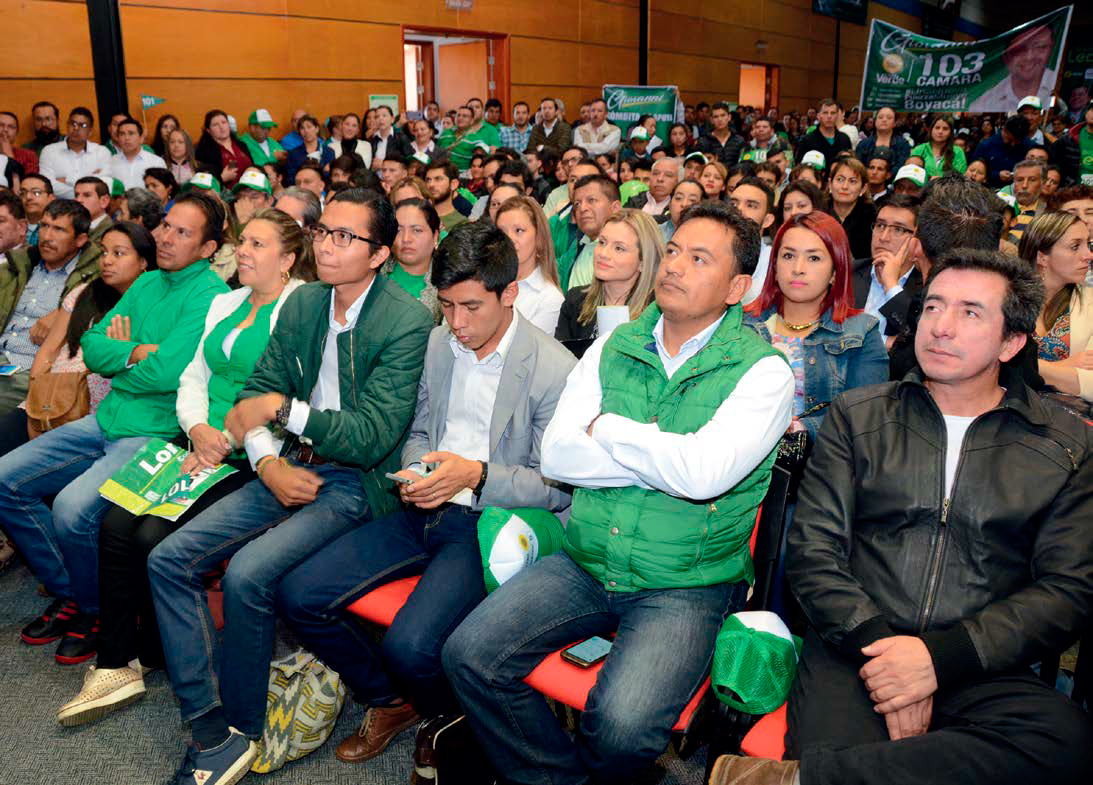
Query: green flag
(913, 73)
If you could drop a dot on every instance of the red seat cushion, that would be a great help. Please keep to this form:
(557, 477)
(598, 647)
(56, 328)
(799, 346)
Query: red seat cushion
(380, 605)
(767, 738)
(569, 684)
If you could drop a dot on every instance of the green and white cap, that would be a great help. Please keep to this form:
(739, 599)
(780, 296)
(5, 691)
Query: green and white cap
(815, 159)
(913, 172)
(254, 179)
(204, 181)
(754, 662)
(261, 117)
(510, 540)
(1010, 201)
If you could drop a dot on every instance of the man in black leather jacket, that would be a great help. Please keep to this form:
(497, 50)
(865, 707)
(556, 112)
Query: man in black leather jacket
(942, 544)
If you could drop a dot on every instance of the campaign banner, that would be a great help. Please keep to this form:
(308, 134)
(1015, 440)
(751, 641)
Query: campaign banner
(913, 73)
(152, 482)
(626, 103)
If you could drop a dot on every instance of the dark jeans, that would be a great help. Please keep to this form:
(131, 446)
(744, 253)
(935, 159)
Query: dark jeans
(265, 541)
(127, 617)
(1010, 728)
(441, 546)
(13, 430)
(660, 657)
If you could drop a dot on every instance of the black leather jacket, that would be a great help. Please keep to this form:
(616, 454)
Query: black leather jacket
(994, 577)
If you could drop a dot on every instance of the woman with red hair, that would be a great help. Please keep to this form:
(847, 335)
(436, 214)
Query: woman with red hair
(805, 309)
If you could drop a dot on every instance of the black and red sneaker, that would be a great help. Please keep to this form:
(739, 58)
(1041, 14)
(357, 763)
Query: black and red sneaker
(80, 642)
(52, 624)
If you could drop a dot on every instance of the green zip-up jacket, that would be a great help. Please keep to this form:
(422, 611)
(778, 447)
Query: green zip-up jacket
(379, 366)
(631, 538)
(164, 308)
(20, 265)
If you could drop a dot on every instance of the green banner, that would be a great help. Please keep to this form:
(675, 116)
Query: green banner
(152, 483)
(626, 103)
(913, 73)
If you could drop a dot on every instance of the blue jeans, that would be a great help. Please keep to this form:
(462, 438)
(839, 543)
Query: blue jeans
(660, 657)
(62, 546)
(441, 546)
(264, 541)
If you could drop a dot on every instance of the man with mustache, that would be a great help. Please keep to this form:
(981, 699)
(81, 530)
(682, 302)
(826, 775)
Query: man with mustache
(939, 549)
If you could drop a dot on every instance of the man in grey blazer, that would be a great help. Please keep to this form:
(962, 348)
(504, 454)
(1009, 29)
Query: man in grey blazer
(490, 386)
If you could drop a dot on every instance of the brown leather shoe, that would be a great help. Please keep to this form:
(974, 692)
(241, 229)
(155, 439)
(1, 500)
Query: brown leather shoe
(378, 729)
(736, 770)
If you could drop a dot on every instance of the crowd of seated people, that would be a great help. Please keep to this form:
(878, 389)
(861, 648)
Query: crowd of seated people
(386, 332)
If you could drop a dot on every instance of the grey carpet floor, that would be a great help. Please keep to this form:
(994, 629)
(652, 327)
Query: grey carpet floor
(144, 743)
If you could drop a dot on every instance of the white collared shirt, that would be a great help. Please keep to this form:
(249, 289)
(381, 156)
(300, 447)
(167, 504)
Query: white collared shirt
(539, 301)
(131, 171)
(327, 393)
(59, 160)
(472, 395)
(701, 465)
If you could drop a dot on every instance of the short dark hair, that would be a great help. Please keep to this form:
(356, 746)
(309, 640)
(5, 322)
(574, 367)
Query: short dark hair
(745, 240)
(312, 166)
(41, 178)
(475, 252)
(76, 212)
(426, 207)
(1024, 289)
(101, 187)
(515, 169)
(1073, 193)
(901, 202)
(11, 200)
(382, 225)
(450, 169)
(49, 105)
(82, 111)
(958, 213)
(609, 187)
(145, 205)
(1018, 126)
(131, 121)
(755, 182)
(211, 209)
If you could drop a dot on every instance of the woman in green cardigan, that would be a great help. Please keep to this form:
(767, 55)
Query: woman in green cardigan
(275, 257)
(939, 154)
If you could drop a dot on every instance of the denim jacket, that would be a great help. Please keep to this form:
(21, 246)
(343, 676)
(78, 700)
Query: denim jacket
(837, 357)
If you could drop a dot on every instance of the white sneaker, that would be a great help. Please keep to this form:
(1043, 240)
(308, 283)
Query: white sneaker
(104, 690)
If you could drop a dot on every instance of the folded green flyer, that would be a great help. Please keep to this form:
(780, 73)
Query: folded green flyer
(152, 483)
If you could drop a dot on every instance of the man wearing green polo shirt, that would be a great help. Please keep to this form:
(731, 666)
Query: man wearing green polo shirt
(262, 148)
(461, 141)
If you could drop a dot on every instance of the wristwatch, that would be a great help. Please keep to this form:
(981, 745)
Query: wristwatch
(482, 480)
(283, 412)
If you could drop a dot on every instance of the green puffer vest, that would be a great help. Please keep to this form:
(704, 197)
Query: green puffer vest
(631, 538)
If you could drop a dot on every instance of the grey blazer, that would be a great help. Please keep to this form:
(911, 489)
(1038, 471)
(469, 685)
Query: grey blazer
(532, 380)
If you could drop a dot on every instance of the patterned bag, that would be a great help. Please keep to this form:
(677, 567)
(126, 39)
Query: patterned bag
(303, 703)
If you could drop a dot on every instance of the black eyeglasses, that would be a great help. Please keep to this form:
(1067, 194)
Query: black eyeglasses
(341, 237)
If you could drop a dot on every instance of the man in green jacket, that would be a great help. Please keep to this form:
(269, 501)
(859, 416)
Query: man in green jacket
(666, 429)
(338, 382)
(142, 345)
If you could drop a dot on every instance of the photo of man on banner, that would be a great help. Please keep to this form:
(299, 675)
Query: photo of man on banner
(1027, 57)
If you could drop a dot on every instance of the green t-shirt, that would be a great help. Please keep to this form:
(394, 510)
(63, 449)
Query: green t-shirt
(413, 284)
(1085, 142)
(461, 150)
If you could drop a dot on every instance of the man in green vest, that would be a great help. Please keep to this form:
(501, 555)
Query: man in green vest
(666, 429)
